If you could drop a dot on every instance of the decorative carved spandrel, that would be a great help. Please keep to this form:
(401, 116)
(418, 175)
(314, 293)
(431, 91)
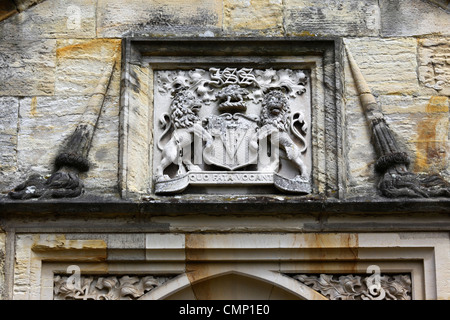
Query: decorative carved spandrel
(240, 126)
(104, 287)
(357, 287)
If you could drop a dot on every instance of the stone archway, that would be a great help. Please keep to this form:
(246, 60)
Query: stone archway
(232, 287)
(237, 284)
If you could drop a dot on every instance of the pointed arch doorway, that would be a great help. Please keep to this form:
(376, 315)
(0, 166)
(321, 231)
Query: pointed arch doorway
(221, 283)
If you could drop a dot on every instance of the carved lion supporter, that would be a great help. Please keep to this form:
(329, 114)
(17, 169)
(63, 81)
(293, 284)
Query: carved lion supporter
(185, 122)
(275, 123)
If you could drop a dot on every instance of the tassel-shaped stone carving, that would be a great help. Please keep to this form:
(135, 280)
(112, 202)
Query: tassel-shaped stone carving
(73, 156)
(392, 164)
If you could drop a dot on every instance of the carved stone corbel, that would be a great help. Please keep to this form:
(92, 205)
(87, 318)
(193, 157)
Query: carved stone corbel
(72, 159)
(392, 164)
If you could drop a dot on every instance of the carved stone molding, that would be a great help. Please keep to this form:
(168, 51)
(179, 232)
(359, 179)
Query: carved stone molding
(358, 287)
(192, 115)
(104, 287)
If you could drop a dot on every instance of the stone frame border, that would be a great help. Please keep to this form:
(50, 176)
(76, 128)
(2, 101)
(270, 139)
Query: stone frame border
(141, 55)
(192, 258)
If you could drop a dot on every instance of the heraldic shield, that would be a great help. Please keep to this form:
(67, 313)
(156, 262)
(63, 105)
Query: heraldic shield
(235, 142)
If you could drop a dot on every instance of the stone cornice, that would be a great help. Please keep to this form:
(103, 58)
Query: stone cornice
(236, 205)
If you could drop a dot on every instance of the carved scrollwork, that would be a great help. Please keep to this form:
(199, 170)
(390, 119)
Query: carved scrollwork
(356, 287)
(104, 288)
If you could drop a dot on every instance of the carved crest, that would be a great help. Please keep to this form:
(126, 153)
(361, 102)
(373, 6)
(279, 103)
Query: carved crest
(232, 136)
(244, 120)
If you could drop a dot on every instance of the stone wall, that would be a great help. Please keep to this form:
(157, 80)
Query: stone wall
(52, 55)
(50, 62)
(2, 263)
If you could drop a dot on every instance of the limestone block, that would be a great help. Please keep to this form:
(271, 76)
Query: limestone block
(444, 4)
(360, 151)
(434, 64)
(336, 18)
(32, 249)
(412, 17)
(27, 67)
(80, 64)
(249, 16)
(9, 107)
(126, 241)
(137, 138)
(25, 4)
(430, 137)
(41, 132)
(421, 127)
(165, 247)
(159, 17)
(389, 65)
(52, 19)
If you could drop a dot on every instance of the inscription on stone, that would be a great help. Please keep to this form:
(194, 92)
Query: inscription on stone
(232, 126)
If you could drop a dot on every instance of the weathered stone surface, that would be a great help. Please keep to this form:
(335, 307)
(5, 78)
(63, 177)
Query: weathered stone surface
(2, 264)
(159, 17)
(336, 17)
(68, 19)
(420, 125)
(40, 133)
(135, 148)
(434, 64)
(25, 4)
(104, 153)
(264, 17)
(431, 139)
(412, 17)
(388, 65)
(9, 107)
(27, 67)
(444, 4)
(362, 156)
(7, 9)
(80, 64)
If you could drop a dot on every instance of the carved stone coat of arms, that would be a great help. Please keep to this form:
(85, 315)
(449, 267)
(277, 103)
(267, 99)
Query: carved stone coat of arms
(232, 127)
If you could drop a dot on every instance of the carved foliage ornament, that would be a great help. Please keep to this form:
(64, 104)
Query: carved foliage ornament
(104, 288)
(232, 127)
(355, 287)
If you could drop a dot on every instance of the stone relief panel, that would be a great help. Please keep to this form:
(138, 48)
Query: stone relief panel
(434, 70)
(356, 287)
(333, 287)
(232, 127)
(104, 287)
